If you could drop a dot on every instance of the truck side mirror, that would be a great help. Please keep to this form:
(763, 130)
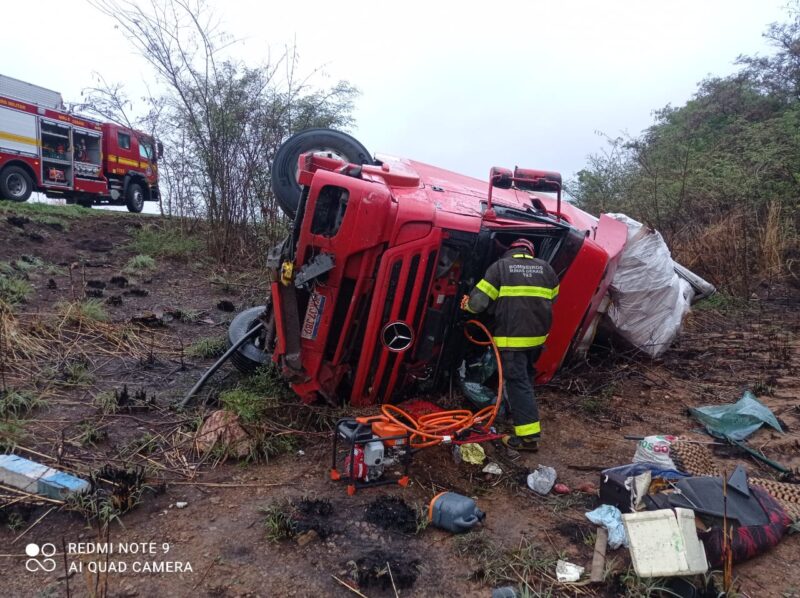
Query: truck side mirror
(159, 150)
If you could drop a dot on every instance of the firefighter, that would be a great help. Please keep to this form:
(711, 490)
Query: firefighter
(520, 289)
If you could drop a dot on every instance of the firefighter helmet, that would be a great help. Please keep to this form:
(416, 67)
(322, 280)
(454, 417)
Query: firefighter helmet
(524, 244)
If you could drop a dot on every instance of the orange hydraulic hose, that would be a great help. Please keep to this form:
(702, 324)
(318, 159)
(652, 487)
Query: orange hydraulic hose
(435, 428)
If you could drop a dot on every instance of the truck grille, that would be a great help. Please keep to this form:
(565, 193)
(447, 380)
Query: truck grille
(405, 275)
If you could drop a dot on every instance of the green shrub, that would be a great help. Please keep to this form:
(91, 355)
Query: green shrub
(139, 263)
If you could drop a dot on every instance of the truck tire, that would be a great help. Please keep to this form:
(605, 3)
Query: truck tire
(134, 198)
(324, 141)
(85, 202)
(15, 184)
(250, 356)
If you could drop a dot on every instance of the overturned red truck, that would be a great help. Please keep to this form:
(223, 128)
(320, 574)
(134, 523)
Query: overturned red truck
(364, 303)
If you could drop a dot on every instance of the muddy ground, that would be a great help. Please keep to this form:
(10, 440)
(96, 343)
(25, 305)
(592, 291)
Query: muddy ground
(68, 361)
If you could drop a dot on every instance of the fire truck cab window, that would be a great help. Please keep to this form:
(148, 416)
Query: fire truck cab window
(124, 140)
(145, 150)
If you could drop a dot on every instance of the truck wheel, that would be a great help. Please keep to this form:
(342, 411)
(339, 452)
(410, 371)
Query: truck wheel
(15, 184)
(85, 202)
(134, 198)
(251, 355)
(321, 141)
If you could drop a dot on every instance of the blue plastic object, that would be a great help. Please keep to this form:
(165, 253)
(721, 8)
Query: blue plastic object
(738, 420)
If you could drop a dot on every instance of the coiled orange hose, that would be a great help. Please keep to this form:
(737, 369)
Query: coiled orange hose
(435, 428)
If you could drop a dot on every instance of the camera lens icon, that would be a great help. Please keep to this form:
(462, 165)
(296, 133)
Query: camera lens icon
(32, 550)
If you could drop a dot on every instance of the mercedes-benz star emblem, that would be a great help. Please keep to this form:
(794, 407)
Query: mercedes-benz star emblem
(397, 336)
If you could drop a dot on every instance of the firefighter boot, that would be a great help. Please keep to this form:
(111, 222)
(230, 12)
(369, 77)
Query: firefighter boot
(529, 444)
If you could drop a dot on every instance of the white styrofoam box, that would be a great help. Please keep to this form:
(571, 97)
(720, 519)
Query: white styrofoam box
(664, 543)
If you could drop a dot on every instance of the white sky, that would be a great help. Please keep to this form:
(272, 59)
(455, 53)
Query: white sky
(463, 86)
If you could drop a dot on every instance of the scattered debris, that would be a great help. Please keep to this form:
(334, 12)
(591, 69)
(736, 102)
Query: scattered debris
(51, 284)
(541, 481)
(492, 468)
(226, 305)
(473, 453)
(610, 518)
(454, 512)
(655, 449)
(149, 319)
(561, 489)
(568, 572)
(222, 429)
(181, 505)
(93, 293)
(136, 292)
(664, 543)
(114, 300)
(392, 513)
(738, 420)
(599, 556)
(35, 478)
(306, 537)
(119, 281)
(95, 284)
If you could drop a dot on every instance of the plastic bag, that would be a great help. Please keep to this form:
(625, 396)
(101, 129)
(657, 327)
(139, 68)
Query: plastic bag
(541, 481)
(737, 420)
(648, 299)
(610, 517)
(655, 449)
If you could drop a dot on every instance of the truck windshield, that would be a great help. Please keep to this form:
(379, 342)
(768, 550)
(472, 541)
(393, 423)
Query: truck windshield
(146, 150)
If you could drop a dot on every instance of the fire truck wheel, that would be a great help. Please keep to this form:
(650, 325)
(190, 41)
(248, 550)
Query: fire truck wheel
(134, 198)
(15, 184)
(322, 141)
(250, 356)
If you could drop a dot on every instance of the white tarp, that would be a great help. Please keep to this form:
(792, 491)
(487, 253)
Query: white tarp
(648, 299)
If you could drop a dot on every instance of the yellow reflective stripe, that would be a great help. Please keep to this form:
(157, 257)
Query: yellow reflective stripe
(519, 342)
(528, 291)
(555, 291)
(487, 288)
(127, 162)
(19, 138)
(528, 429)
(523, 255)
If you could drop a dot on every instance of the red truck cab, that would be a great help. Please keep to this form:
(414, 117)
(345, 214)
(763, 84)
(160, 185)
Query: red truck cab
(364, 306)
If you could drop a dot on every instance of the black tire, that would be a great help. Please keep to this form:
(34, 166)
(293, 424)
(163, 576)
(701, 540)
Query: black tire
(134, 198)
(85, 202)
(284, 167)
(250, 356)
(15, 184)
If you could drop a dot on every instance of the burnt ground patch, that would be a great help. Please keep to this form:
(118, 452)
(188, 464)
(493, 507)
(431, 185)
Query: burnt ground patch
(392, 513)
(384, 570)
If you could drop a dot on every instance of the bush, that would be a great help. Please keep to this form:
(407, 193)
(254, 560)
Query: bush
(139, 263)
(165, 241)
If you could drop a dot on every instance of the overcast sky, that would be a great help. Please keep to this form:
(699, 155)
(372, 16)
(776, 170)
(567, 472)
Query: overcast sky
(461, 85)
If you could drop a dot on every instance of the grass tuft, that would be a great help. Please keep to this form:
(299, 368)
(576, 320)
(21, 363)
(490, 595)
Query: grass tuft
(76, 312)
(278, 521)
(13, 288)
(208, 347)
(139, 263)
(18, 403)
(164, 241)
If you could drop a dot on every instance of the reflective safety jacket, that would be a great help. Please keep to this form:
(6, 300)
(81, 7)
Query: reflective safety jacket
(520, 290)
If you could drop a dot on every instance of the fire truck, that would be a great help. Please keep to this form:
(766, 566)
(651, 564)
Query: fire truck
(45, 148)
(364, 306)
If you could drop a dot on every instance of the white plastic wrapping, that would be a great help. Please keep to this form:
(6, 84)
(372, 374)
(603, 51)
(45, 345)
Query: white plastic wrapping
(648, 299)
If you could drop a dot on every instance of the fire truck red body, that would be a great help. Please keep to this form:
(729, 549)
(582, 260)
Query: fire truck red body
(46, 149)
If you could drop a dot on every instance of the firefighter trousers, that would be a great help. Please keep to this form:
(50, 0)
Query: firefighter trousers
(518, 372)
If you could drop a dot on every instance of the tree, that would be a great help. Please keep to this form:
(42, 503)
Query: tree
(220, 120)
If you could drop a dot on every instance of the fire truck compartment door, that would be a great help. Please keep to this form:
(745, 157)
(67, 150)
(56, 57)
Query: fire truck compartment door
(18, 132)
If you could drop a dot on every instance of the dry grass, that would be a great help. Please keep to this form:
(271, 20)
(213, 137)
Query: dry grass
(739, 250)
